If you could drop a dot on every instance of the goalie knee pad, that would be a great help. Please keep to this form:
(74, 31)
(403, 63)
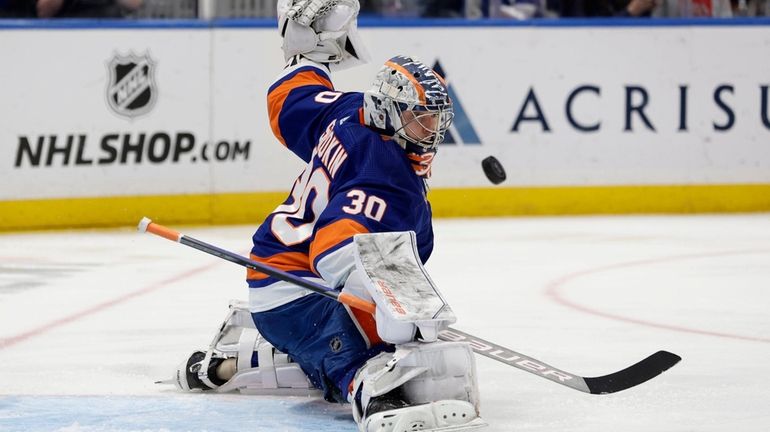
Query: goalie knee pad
(420, 386)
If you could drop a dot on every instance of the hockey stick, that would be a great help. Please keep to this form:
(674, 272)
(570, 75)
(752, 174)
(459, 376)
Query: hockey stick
(629, 377)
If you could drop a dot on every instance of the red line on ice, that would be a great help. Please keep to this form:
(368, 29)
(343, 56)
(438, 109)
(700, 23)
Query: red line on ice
(554, 290)
(13, 340)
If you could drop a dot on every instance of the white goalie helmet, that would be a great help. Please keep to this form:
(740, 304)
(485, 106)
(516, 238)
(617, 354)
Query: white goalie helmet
(410, 102)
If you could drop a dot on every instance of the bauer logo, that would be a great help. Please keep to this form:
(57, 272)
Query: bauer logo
(462, 130)
(131, 90)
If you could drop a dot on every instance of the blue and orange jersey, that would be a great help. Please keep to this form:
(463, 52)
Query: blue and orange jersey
(355, 182)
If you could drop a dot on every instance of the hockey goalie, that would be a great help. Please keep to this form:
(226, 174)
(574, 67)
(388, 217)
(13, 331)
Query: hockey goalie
(357, 220)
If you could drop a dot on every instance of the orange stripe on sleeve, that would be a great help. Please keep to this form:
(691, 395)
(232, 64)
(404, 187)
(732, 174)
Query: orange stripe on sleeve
(278, 96)
(332, 235)
(285, 261)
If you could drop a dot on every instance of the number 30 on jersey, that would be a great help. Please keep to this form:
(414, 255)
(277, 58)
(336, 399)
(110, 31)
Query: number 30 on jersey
(289, 224)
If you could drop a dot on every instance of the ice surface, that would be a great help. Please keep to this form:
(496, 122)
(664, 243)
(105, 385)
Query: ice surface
(90, 319)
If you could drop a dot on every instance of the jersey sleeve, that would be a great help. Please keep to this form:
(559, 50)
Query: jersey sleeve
(298, 104)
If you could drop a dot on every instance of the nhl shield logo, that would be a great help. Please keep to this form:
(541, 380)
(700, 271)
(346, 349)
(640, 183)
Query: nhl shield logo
(131, 90)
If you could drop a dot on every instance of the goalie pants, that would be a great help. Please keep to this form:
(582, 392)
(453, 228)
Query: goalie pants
(318, 334)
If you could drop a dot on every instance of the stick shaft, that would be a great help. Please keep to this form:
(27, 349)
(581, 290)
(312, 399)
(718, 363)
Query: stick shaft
(148, 226)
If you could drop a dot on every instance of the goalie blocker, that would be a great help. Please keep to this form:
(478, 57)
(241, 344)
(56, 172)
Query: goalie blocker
(388, 271)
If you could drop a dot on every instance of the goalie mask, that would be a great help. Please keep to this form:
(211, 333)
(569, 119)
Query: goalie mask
(410, 102)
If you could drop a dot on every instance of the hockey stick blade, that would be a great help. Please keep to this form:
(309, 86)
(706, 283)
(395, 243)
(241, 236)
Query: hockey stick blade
(629, 377)
(633, 375)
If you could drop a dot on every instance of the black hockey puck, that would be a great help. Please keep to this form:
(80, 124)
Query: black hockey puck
(493, 169)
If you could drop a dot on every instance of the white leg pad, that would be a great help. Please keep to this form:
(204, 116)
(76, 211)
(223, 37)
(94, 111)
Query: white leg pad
(275, 375)
(285, 380)
(247, 344)
(238, 339)
(436, 380)
(452, 373)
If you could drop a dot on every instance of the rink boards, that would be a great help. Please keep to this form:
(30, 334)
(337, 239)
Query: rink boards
(103, 123)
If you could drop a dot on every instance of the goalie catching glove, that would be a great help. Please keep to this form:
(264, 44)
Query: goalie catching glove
(323, 31)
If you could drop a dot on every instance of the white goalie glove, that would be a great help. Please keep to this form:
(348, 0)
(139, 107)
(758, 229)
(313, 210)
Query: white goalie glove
(323, 31)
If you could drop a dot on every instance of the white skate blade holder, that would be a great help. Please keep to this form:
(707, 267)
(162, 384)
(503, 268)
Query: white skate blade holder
(398, 281)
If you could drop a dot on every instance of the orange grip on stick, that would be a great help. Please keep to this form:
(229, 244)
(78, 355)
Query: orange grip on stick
(164, 232)
(357, 303)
